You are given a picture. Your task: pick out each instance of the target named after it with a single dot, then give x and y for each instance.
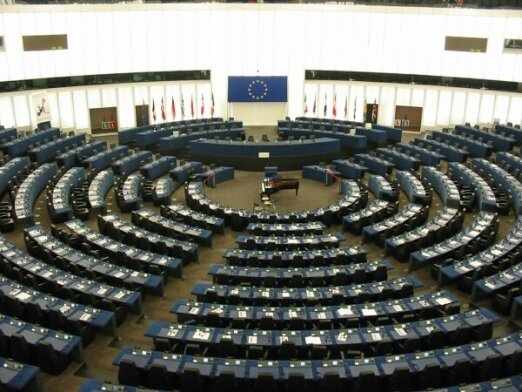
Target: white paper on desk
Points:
(490, 285)
(217, 311)
(344, 312)
(321, 315)
(200, 335)
(443, 301)
(283, 339)
(400, 331)
(376, 336)
(313, 340)
(119, 295)
(64, 309)
(252, 339)
(475, 264)
(194, 310)
(342, 337)
(23, 296)
(397, 308)
(292, 313)
(172, 332)
(241, 314)
(369, 312)
(285, 294)
(85, 317)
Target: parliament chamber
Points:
(352, 226)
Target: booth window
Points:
(513, 44)
(466, 44)
(45, 42)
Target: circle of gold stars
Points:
(257, 89)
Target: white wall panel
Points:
(139, 41)
(387, 106)
(141, 94)
(487, 104)
(122, 43)
(458, 107)
(429, 112)
(21, 111)
(444, 107)
(515, 110)
(66, 109)
(105, 42)
(54, 107)
(204, 49)
(109, 97)
(7, 116)
(403, 96)
(81, 110)
(156, 44)
(326, 51)
(265, 47)
(472, 108)
(75, 52)
(91, 61)
(265, 37)
(126, 109)
(14, 48)
(501, 110)
(94, 98)
(417, 97)
(187, 40)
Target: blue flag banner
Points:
(257, 89)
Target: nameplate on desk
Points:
(262, 154)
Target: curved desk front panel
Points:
(287, 155)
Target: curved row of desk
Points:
(296, 258)
(418, 370)
(246, 155)
(295, 319)
(306, 296)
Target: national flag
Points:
(182, 107)
(192, 106)
(163, 113)
(202, 105)
(374, 112)
(173, 109)
(345, 107)
(305, 110)
(153, 110)
(212, 108)
(325, 108)
(354, 107)
(334, 107)
(365, 108)
(315, 105)
(143, 113)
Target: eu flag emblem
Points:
(257, 89)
